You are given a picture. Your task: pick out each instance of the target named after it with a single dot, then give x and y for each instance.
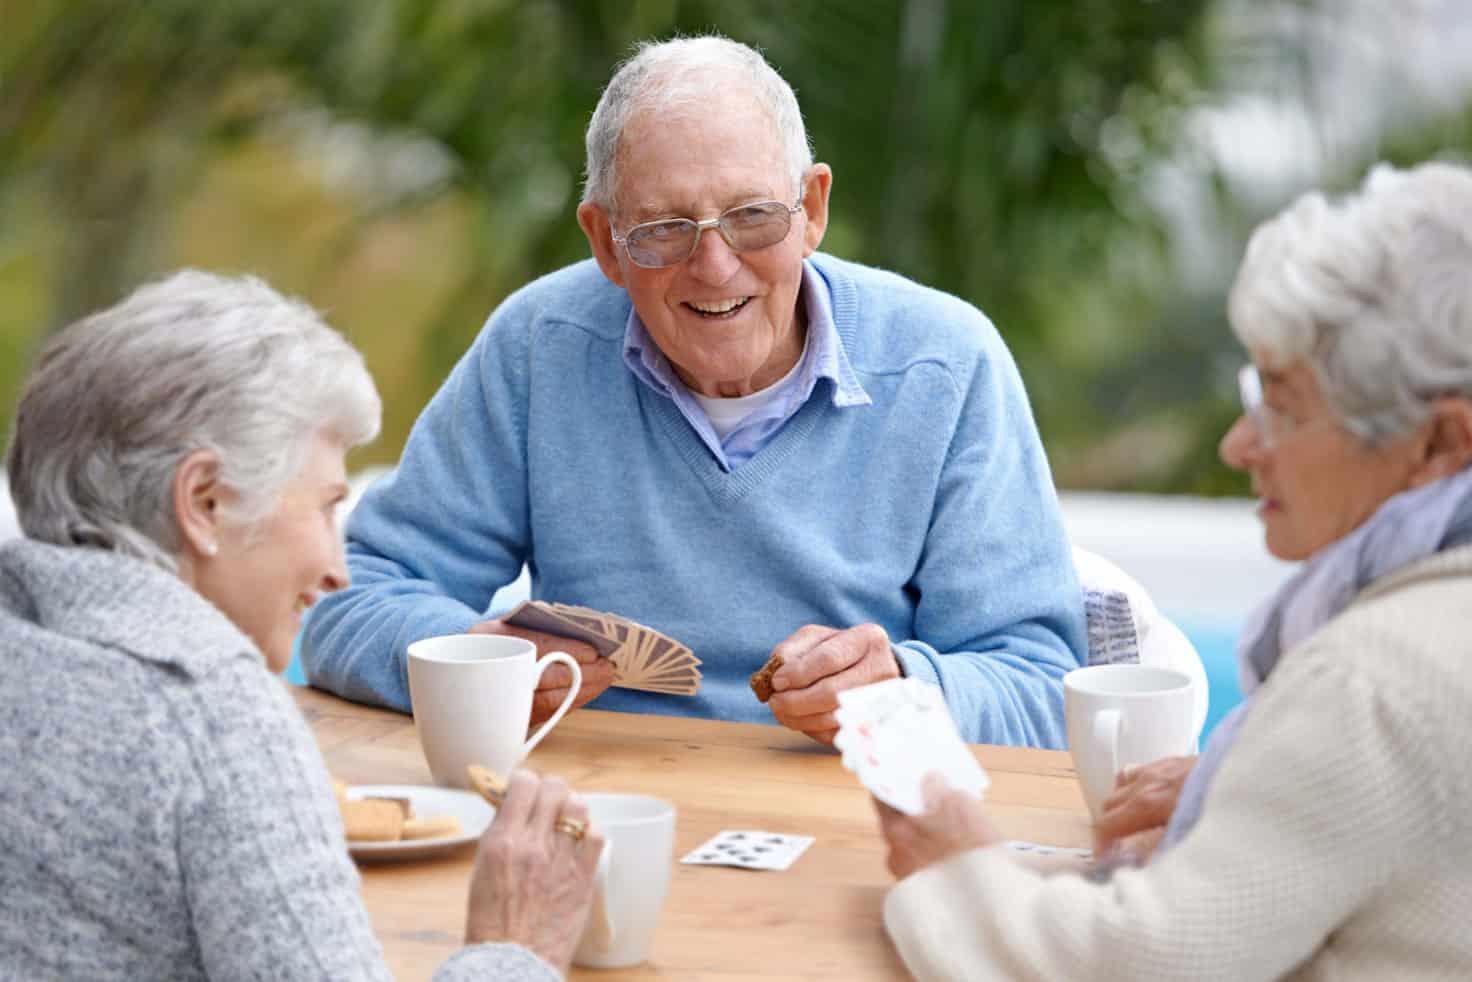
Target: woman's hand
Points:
(1133, 819)
(533, 880)
(954, 822)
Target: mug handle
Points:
(1106, 734)
(572, 693)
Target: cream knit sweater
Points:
(1335, 842)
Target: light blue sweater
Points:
(930, 512)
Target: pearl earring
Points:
(211, 548)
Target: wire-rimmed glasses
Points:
(1272, 425)
(671, 241)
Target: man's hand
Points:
(1132, 820)
(555, 681)
(820, 662)
(954, 822)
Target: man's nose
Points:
(713, 261)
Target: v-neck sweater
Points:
(930, 512)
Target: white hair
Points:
(193, 362)
(1374, 291)
(686, 74)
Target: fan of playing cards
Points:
(893, 733)
(642, 657)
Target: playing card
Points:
(593, 620)
(895, 732)
(749, 849)
(537, 616)
(653, 662)
(642, 657)
(1019, 845)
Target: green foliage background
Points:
(404, 164)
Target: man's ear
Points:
(1448, 442)
(816, 184)
(599, 230)
(196, 492)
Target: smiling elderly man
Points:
(718, 431)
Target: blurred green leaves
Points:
(405, 164)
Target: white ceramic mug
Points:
(472, 700)
(640, 851)
(1123, 715)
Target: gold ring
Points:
(573, 827)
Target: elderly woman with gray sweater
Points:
(176, 463)
(1324, 832)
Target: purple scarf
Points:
(1408, 527)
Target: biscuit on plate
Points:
(405, 805)
(433, 827)
(372, 820)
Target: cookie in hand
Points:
(761, 682)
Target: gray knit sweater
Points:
(164, 812)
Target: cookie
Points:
(405, 805)
(434, 827)
(371, 820)
(490, 785)
(761, 682)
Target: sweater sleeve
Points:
(271, 890)
(499, 962)
(999, 618)
(1311, 814)
(430, 545)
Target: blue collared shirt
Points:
(823, 357)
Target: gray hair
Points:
(193, 362)
(1374, 291)
(687, 73)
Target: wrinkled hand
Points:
(820, 662)
(553, 685)
(532, 884)
(954, 822)
(1132, 820)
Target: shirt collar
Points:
(828, 358)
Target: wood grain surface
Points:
(820, 919)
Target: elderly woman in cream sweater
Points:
(176, 463)
(1325, 831)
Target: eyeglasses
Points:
(671, 241)
(1272, 425)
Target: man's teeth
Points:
(718, 306)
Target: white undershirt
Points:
(726, 414)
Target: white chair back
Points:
(9, 527)
(1126, 626)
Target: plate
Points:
(472, 810)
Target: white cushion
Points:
(9, 527)
(1158, 641)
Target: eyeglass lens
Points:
(755, 226)
(1249, 389)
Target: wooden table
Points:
(820, 919)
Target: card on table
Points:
(642, 657)
(893, 733)
(749, 849)
(1038, 849)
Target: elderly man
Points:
(717, 431)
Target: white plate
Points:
(427, 802)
